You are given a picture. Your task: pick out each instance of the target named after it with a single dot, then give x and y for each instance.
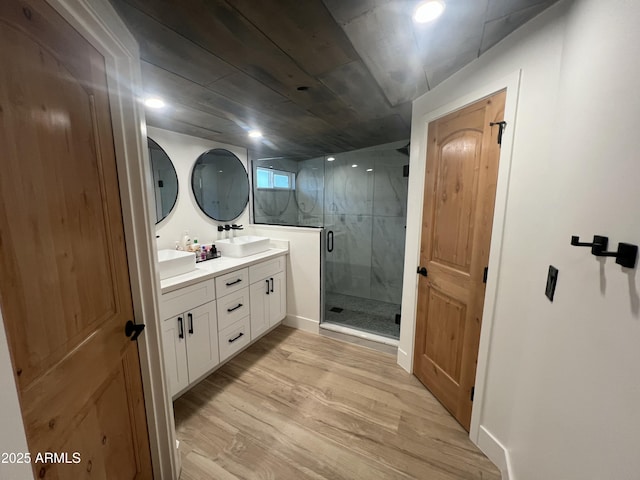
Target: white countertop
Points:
(217, 266)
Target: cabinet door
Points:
(260, 308)
(175, 353)
(201, 330)
(277, 298)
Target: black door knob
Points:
(422, 271)
(133, 330)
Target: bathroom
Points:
(117, 341)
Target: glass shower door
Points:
(364, 233)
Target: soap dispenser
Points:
(186, 241)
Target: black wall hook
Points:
(625, 255)
(599, 243)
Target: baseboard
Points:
(306, 324)
(404, 360)
(496, 452)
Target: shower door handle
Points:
(330, 241)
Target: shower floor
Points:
(365, 314)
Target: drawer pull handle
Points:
(231, 340)
(234, 308)
(267, 280)
(180, 328)
(228, 284)
(190, 323)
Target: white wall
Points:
(183, 150)
(562, 389)
(12, 436)
(303, 273)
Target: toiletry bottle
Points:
(186, 241)
(203, 253)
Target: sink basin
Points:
(242, 246)
(175, 262)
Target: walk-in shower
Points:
(359, 198)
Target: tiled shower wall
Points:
(366, 208)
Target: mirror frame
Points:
(246, 203)
(175, 173)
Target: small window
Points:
(281, 181)
(263, 178)
(268, 178)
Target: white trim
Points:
(98, 22)
(496, 452)
(12, 435)
(414, 222)
(306, 324)
(372, 337)
(404, 359)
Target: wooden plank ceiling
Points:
(315, 77)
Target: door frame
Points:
(414, 222)
(97, 21)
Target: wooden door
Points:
(64, 280)
(460, 186)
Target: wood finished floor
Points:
(302, 406)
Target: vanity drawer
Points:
(183, 299)
(267, 269)
(232, 282)
(234, 338)
(233, 307)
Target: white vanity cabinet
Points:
(189, 333)
(234, 314)
(268, 292)
(207, 322)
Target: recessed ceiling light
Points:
(354, 165)
(428, 11)
(369, 169)
(255, 133)
(331, 159)
(154, 102)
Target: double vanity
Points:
(213, 309)
(217, 308)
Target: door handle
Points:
(190, 323)
(234, 308)
(133, 330)
(330, 241)
(267, 280)
(271, 284)
(180, 328)
(422, 271)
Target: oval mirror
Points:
(220, 184)
(165, 180)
